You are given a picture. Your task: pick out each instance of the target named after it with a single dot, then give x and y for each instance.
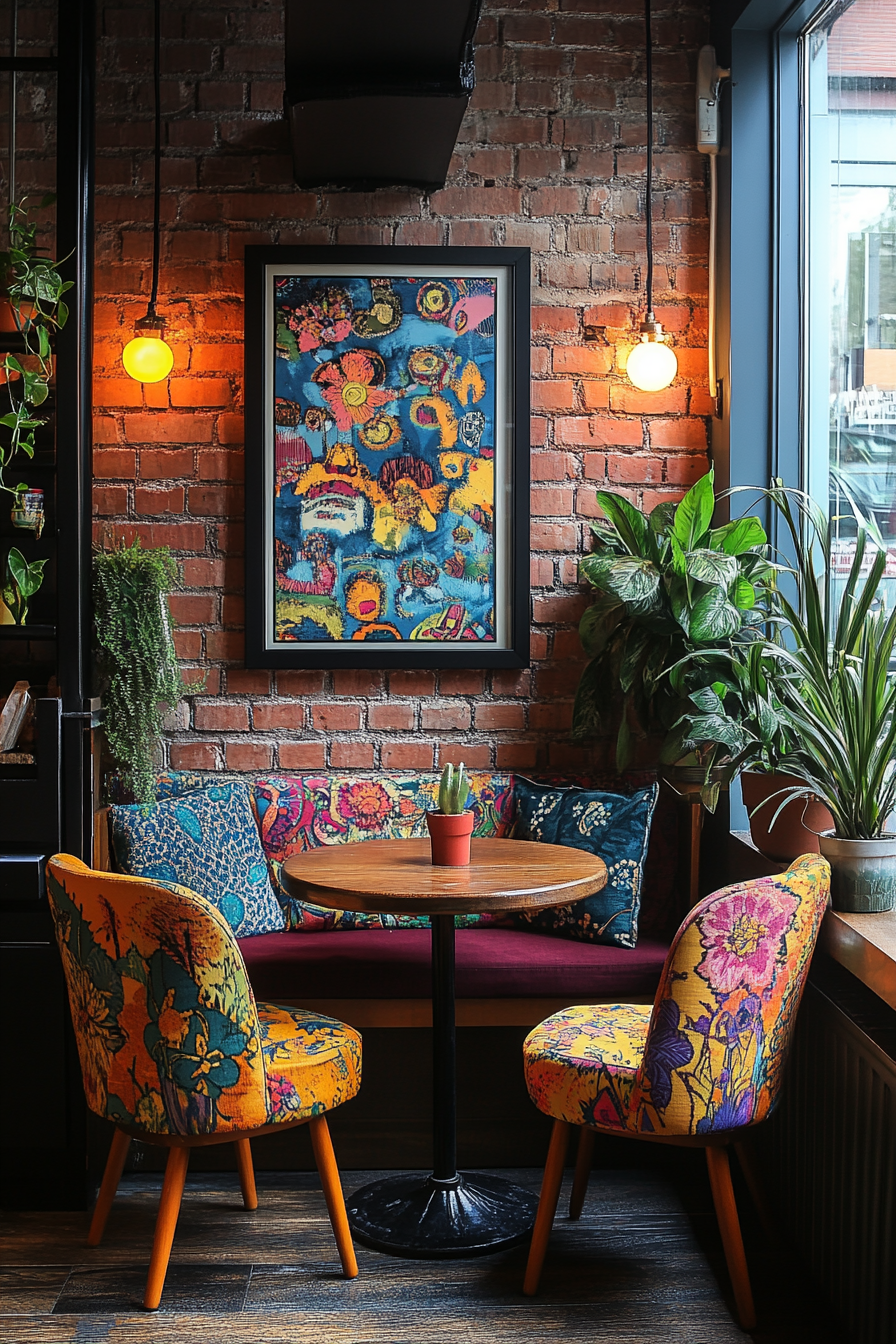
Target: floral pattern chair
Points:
(175, 1050)
(700, 1066)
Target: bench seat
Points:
(492, 964)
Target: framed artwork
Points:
(387, 453)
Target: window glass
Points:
(849, 63)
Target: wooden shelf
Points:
(27, 632)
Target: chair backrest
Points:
(724, 1012)
(164, 1015)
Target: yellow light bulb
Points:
(651, 366)
(147, 359)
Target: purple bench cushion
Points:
(491, 963)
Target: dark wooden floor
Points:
(643, 1265)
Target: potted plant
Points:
(669, 585)
(451, 828)
(837, 693)
(137, 658)
(22, 580)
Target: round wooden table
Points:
(446, 1213)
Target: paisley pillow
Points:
(617, 827)
(206, 840)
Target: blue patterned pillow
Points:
(617, 827)
(206, 840)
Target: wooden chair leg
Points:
(547, 1205)
(247, 1173)
(118, 1153)
(329, 1179)
(729, 1226)
(166, 1222)
(757, 1194)
(584, 1158)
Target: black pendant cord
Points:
(157, 187)
(648, 44)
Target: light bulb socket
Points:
(651, 330)
(150, 325)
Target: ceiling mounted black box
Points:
(375, 93)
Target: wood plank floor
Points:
(643, 1265)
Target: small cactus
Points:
(454, 789)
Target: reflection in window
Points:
(850, 395)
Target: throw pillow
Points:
(299, 812)
(617, 827)
(206, 840)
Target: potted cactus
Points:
(450, 828)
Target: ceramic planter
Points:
(450, 835)
(863, 873)
(798, 825)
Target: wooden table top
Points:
(398, 877)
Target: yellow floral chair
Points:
(175, 1050)
(700, 1066)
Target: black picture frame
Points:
(509, 644)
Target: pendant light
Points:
(651, 365)
(147, 358)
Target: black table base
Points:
(423, 1218)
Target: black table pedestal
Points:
(447, 1213)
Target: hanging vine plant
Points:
(137, 657)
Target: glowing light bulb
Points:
(652, 365)
(147, 359)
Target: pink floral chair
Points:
(700, 1066)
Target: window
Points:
(849, 384)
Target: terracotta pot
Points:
(450, 835)
(798, 825)
(863, 873)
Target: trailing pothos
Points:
(34, 289)
(668, 585)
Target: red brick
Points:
(548, 502)
(541, 572)
(302, 755)
(412, 683)
(511, 682)
(406, 756)
(193, 608)
(637, 469)
(551, 201)
(589, 360)
(624, 397)
(168, 428)
(179, 536)
(687, 434)
(165, 463)
(555, 717)
(225, 645)
(230, 717)
(230, 429)
(215, 500)
(357, 683)
(159, 501)
(516, 756)
(391, 717)
(602, 431)
(202, 680)
(596, 396)
(187, 643)
(117, 392)
(217, 465)
(559, 609)
(685, 470)
(553, 395)
(336, 718)
(552, 321)
(444, 716)
(559, 681)
(112, 462)
(243, 681)
(267, 717)
(553, 536)
(461, 683)
(300, 683)
(535, 163)
(110, 499)
(247, 756)
(473, 201)
(474, 758)
(504, 130)
(552, 466)
(351, 756)
(500, 717)
(200, 391)
(195, 756)
(615, 315)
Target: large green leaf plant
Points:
(669, 586)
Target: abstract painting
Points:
(389, 481)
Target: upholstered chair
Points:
(175, 1050)
(700, 1067)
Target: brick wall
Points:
(550, 156)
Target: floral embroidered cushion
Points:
(617, 827)
(299, 812)
(169, 1035)
(710, 1055)
(206, 840)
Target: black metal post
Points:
(444, 1052)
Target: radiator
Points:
(832, 1152)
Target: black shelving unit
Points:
(48, 806)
